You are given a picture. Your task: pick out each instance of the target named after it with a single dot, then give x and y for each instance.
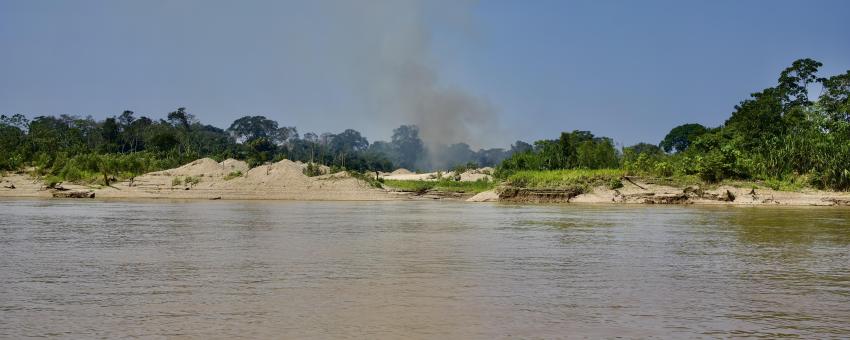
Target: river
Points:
(419, 269)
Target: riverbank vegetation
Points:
(566, 179)
(779, 137)
(444, 185)
(82, 149)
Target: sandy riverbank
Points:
(285, 180)
(208, 179)
(470, 175)
(635, 191)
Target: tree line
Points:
(125, 145)
(779, 135)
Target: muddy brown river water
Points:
(219, 269)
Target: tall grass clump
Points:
(564, 179)
(233, 175)
(445, 185)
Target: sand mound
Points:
(401, 171)
(282, 180)
(476, 175)
(323, 169)
(204, 167)
(232, 165)
(431, 176)
(338, 175)
(486, 196)
(284, 170)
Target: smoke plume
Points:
(400, 79)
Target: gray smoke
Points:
(399, 78)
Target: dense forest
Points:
(74, 148)
(778, 135)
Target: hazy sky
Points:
(487, 72)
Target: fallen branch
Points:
(632, 182)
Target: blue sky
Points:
(630, 70)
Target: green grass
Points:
(233, 175)
(680, 181)
(565, 179)
(790, 183)
(192, 181)
(584, 180)
(421, 186)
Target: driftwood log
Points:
(73, 194)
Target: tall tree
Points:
(249, 128)
(408, 145)
(181, 118)
(681, 137)
(794, 82)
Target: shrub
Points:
(233, 175)
(191, 181)
(615, 183)
(556, 179)
(422, 186)
(312, 169)
(368, 178)
(459, 169)
(52, 181)
(664, 169)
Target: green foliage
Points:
(249, 128)
(368, 178)
(188, 180)
(778, 134)
(564, 179)
(407, 146)
(459, 169)
(233, 175)
(573, 150)
(681, 137)
(52, 181)
(82, 149)
(445, 185)
(312, 169)
(191, 180)
(615, 183)
(793, 183)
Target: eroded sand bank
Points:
(639, 192)
(207, 179)
(285, 180)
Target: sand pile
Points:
(476, 175)
(323, 169)
(401, 171)
(233, 165)
(486, 196)
(468, 176)
(284, 173)
(283, 180)
(431, 176)
(204, 167)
